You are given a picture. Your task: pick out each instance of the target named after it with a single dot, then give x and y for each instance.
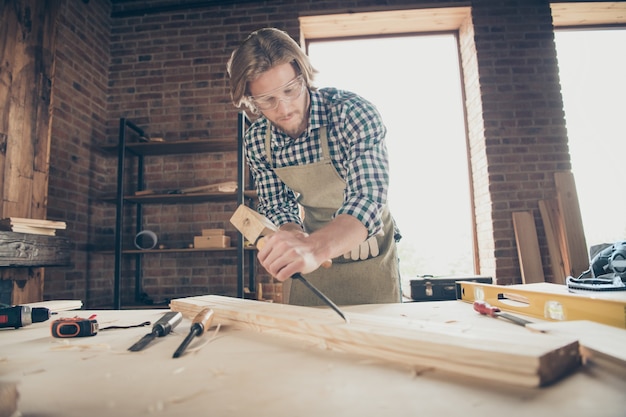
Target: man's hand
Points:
(290, 250)
(285, 253)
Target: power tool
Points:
(607, 270)
(20, 316)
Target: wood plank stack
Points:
(526, 359)
(32, 226)
(564, 233)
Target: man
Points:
(319, 161)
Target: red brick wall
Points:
(77, 174)
(520, 140)
(167, 74)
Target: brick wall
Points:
(78, 123)
(520, 140)
(167, 74)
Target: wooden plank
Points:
(551, 224)
(599, 343)
(19, 221)
(572, 224)
(588, 13)
(527, 359)
(23, 249)
(528, 247)
(383, 22)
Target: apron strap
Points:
(268, 144)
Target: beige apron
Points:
(321, 192)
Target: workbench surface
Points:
(244, 373)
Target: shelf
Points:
(185, 198)
(133, 251)
(126, 149)
(176, 250)
(177, 147)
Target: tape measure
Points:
(74, 327)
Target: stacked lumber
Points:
(564, 233)
(525, 359)
(221, 187)
(32, 226)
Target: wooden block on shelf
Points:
(211, 241)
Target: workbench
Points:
(245, 373)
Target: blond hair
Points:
(258, 53)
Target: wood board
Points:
(528, 247)
(599, 342)
(527, 359)
(573, 238)
(549, 210)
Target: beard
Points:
(294, 121)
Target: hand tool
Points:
(201, 322)
(487, 309)
(19, 316)
(161, 328)
(547, 301)
(74, 327)
(254, 227)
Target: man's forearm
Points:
(339, 236)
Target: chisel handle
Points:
(200, 323)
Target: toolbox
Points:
(432, 288)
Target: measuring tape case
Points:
(431, 288)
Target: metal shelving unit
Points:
(140, 150)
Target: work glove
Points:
(367, 249)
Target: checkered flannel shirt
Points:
(356, 138)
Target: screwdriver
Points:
(487, 309)
(199, 325)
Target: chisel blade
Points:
(181, 349)
(143, 342)
(161, 328)
(320, 295)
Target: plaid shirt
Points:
(356, 138)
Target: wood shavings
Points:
(66, 345)
(35, 371)
(206, 342)
(180, 400)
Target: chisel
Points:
(161, 328)
(201, 322)
(320, 295)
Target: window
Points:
(592, 67)
(415, 83)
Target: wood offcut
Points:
(525, 359)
